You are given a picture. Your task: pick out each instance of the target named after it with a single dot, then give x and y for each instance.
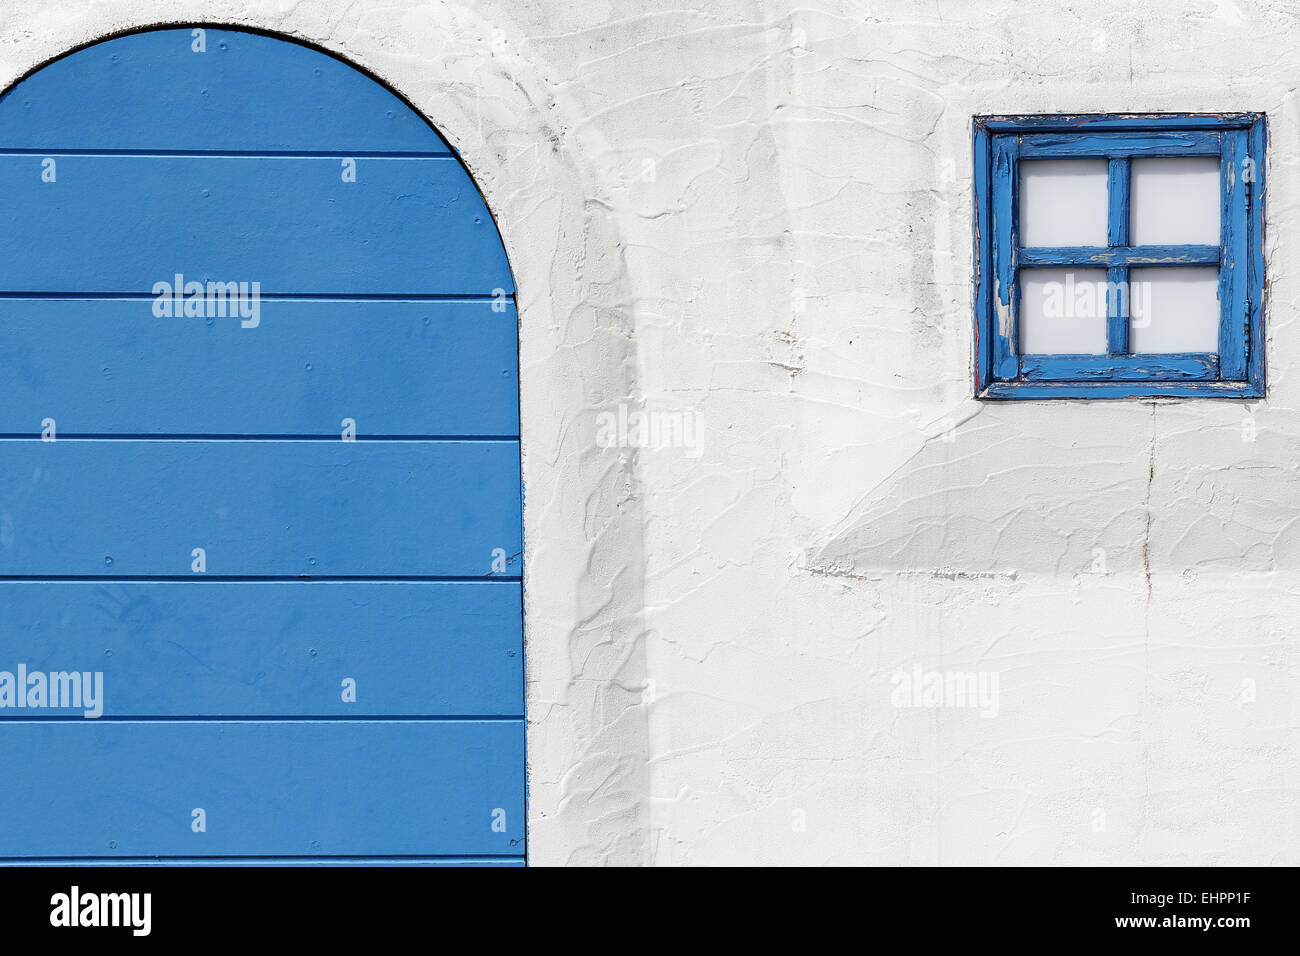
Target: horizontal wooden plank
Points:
(1189, 366)
(330, 861)
(126, 223)
(1031, 391)
(245, 91)
(1061, 122)
(314, 508)
(101, 366)
(1119, 145)
(194, 648)
(1099, 256)
(267, 788)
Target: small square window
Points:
(1119, 256)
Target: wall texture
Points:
(750, 222)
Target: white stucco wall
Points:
(758, 213)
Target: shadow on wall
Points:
(1070, 488)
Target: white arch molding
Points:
(584, 582)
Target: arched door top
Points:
(208, 88)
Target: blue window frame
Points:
(1003, 144)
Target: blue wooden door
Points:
(260, 520)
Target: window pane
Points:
(1175, 201)
(1174, 309)
(1063, 202)
(1063, 311)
